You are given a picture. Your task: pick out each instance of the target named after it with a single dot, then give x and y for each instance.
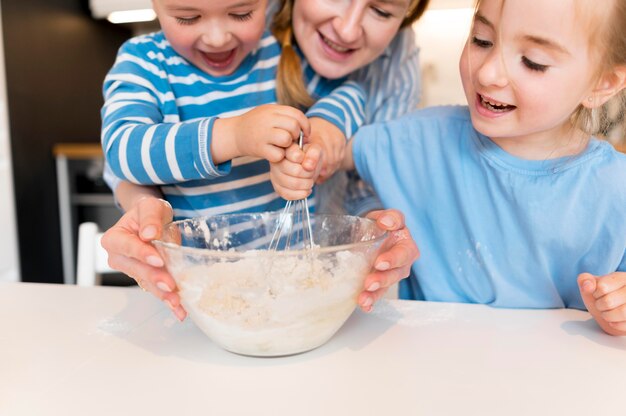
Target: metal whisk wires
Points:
(294, 224)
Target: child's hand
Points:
(333, 144)
(264, 132)
(289, 177)
(605, 299)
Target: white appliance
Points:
(9, 266)
(100, 9)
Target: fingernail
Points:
(586, 284)
(154, 261)
(373, 287)
(180, 314)
(383, 265)
(367, 302)
(162, 286)
(387, 222)
(149, 232)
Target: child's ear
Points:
(609, 85)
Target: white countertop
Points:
(66, 350)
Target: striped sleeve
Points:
(344, 107)
(141, 142)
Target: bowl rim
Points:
(240, 254)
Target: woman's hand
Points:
(605, 299)
(394, 262)
(333, 144)
(130, 250)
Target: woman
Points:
(360, 38)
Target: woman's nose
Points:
(349, 25)
(492, 70)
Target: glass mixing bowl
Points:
(255, 301)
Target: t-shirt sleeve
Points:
(367, 146)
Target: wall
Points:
(56, 58)
(9, 267)
(441, 35)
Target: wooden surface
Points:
(78, 150)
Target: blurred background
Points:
(54, 55)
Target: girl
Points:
(513, 197)
(377, 22)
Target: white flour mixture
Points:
(268, 306)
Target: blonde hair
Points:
(290, 88)
(609, 39)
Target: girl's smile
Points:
(525, 68)
(488, 107)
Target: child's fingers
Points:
(293, 169)
(302, 121)
(612, 301)
(294, 154)
(281, 136)
(587, 284)
(615, 315)
(609, 283)
(291, 194)
(312, 157)
(619, 326)
(293, 121)
(273, 154)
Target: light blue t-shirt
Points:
(493, 228)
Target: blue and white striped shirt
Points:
(158, 116)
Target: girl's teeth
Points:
(493, 106)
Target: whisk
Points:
(294, 224)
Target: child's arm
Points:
(334, 119)
(145, 142)
(605, 299)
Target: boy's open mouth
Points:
(494, 106)
(219, 59)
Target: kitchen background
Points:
(54, 55)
